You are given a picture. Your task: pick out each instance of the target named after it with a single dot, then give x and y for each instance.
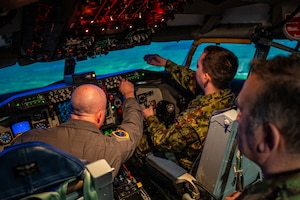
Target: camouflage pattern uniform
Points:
(186, 136)
(284, 186)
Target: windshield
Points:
(21, 78)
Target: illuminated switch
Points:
(120, 111)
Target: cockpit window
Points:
(276, 51)
(21, 78)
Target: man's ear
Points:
(99, 116)
(102, 113)
(207, 79)
(207, 76)
(271, 138)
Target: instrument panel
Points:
(48, 107)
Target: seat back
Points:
(34, 167)
(222, 169)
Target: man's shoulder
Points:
(282, 186)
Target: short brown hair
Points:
(221, 64)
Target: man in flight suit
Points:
(81, 136)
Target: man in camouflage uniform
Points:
(216, 68)
(269, 128)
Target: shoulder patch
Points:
(121, 134)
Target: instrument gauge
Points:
(5, 138)
(118, 102)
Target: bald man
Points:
(81, 135)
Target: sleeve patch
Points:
(120, 134)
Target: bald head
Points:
(87, 100)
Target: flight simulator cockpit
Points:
(69, 32)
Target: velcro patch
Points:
(121, 134)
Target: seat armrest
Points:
(167, 167)
(174, 172)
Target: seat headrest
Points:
(32, 167)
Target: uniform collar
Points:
(81, 124)
(215, 96)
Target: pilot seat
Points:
(36, 170)
(219, 170)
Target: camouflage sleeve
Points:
(183, 75)
(188, 130)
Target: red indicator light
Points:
(120, 111)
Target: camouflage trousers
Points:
(145, 147)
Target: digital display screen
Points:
(20, 127)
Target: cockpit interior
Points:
(49, 47)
